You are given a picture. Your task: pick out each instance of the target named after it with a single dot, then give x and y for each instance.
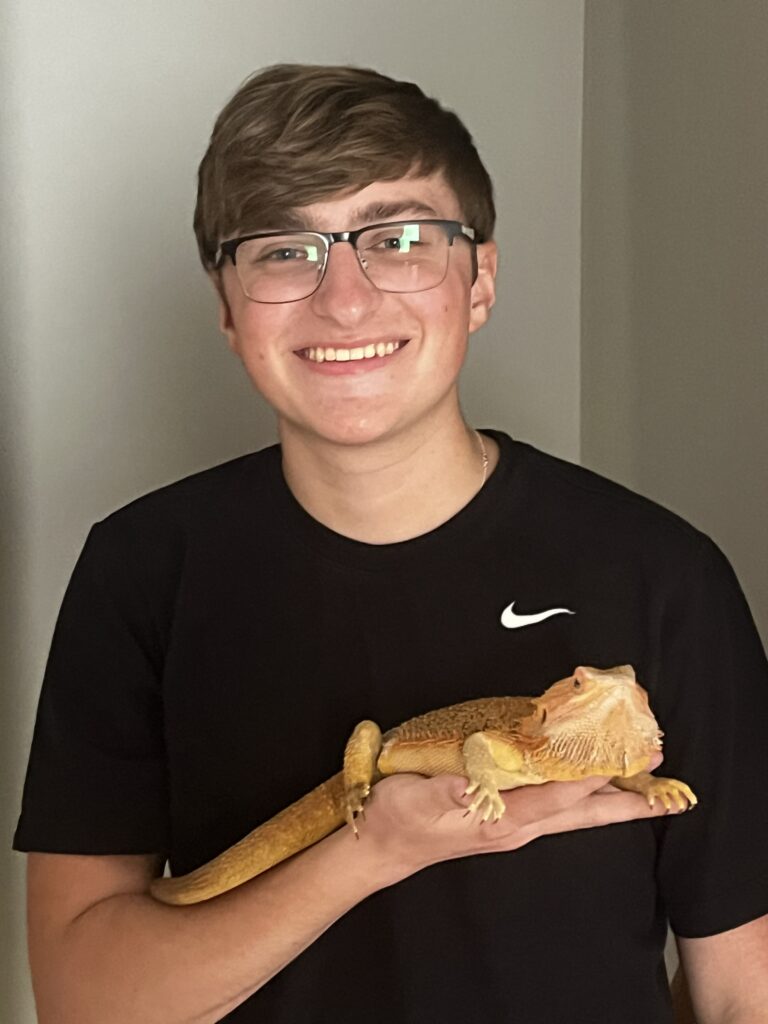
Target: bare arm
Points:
(728, 974)
(102, 949)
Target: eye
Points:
(393, 238)
(576, 684)
(543, 715)
(392, 243)
(284, 255)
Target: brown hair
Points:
(294, 134)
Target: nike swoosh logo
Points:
(512, 620)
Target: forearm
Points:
(131, 960)
(127, 959)
(746, 1009)
(728, 974)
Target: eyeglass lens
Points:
(396, 258)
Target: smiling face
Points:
(420, 338)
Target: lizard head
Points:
(597, 721)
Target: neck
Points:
(389, 490)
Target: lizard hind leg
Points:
(360, 756)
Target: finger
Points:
(609, 788)
(441, 793)
(450, 791)
(603, 809)
(533, 803)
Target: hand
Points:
(416, 821)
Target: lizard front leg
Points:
(360, 756)
(653, 788)
(490, 762)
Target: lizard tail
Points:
(305, 822)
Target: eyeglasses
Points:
(404, 256)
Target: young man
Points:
(221, 637)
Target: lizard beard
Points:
(598, 752)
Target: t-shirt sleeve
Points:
(96, 778)
(712, 868)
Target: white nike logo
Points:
(512, 620)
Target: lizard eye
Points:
(576, 684)
(543, 715)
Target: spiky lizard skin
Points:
(595, 722)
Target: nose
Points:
(345, 293)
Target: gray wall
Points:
(675, 264)
(114, 378)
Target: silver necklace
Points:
(484, 455)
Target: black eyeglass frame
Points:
(453, 229)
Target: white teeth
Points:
(341, 355)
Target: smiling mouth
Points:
(329, 354)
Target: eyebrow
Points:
(374, 211)
(371, 213)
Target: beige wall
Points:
(675, 264)
(115, 379)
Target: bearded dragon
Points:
(594, 722)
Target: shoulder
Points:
(582, 511)
(565, 480)
(584, 492)
(156, 528)
(199, 494)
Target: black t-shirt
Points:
(211, 629)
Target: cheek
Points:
(258, 331)
(252, 352)
(442, 312)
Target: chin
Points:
(354, 433)
(352, 430)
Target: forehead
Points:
(382, 200)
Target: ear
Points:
(483, 294)
(226, 324)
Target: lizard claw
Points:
(355, 804)
(487, 801)
(667, 791)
